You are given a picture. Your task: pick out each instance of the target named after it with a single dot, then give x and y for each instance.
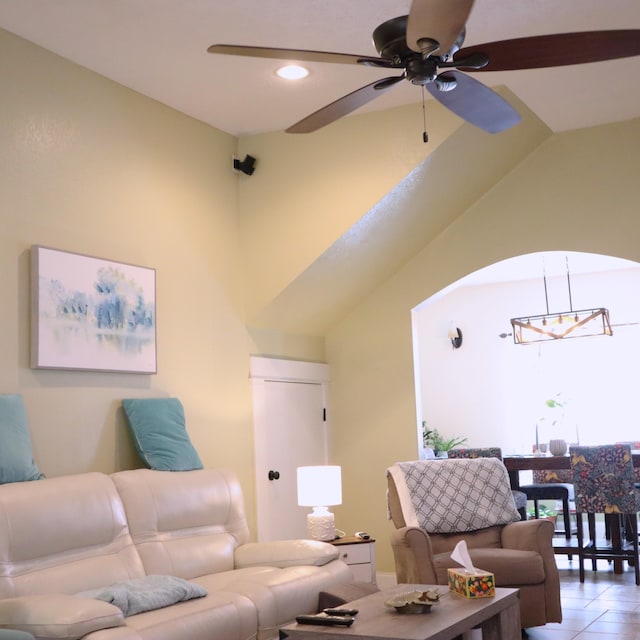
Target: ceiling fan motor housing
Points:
(390, 39)
(421, 71)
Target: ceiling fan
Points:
(426, 46)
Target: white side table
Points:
(360, 556)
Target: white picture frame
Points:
(91, 314)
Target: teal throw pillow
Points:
(160, 434)
(16, 457)
(147, 593)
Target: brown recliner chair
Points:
(519, 554)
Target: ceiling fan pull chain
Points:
(425, 135)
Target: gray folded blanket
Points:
(145, 594)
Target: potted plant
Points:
(545, 512)
(552, 423)
(432, 439)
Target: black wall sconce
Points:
(455, 335)
(247, 166)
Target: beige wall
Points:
(91, 167)
(309, 190)
(578, 191)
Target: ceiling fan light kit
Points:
(292, 72)
(426, 45)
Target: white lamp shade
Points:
(319, 486)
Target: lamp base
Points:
(321, 524)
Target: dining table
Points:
(531, 462)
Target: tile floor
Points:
(605, 607)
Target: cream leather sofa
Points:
(66, 535)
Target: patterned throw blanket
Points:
(445, 496)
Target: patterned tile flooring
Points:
(605, 607)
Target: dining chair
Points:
(636, 470)
(551, 484)
(491, 452)
(603, 480)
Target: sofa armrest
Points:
(285, 553)
(537, 535)
(60, 616)
(413, 556)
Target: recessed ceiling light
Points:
(292, 72)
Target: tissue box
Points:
(472, 585)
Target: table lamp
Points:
(320, 487)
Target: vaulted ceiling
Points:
(159, 49)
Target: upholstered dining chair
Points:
(519, 497)
(636, 470)
(604, 483)
(549, 484)
(434, 504)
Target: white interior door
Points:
(289, 401)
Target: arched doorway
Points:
(495, 392)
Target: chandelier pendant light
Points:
(557, 326)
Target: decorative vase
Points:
(557, 447)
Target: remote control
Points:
(325, 620)
(340, 612)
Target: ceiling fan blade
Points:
(475, 102)
(439, 20)
(556, 50)
(344, 105)
(299, 55)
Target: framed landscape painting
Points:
(93, 314)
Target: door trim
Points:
(263, 371)
(261, 368)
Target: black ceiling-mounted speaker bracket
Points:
(246, 166)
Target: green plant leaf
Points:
(432, 439)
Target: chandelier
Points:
(557, 326)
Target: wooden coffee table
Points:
(498, 617)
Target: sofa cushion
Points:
(160, 434)
(278, 594)
(219, 616)
(511, 567)
(184, 524)
(146, 593)
(58, 616)
(64, 535)
(491, 537)
(285, 553)
(16, 457)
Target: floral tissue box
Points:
(479, 584)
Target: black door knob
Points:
(274, 475)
